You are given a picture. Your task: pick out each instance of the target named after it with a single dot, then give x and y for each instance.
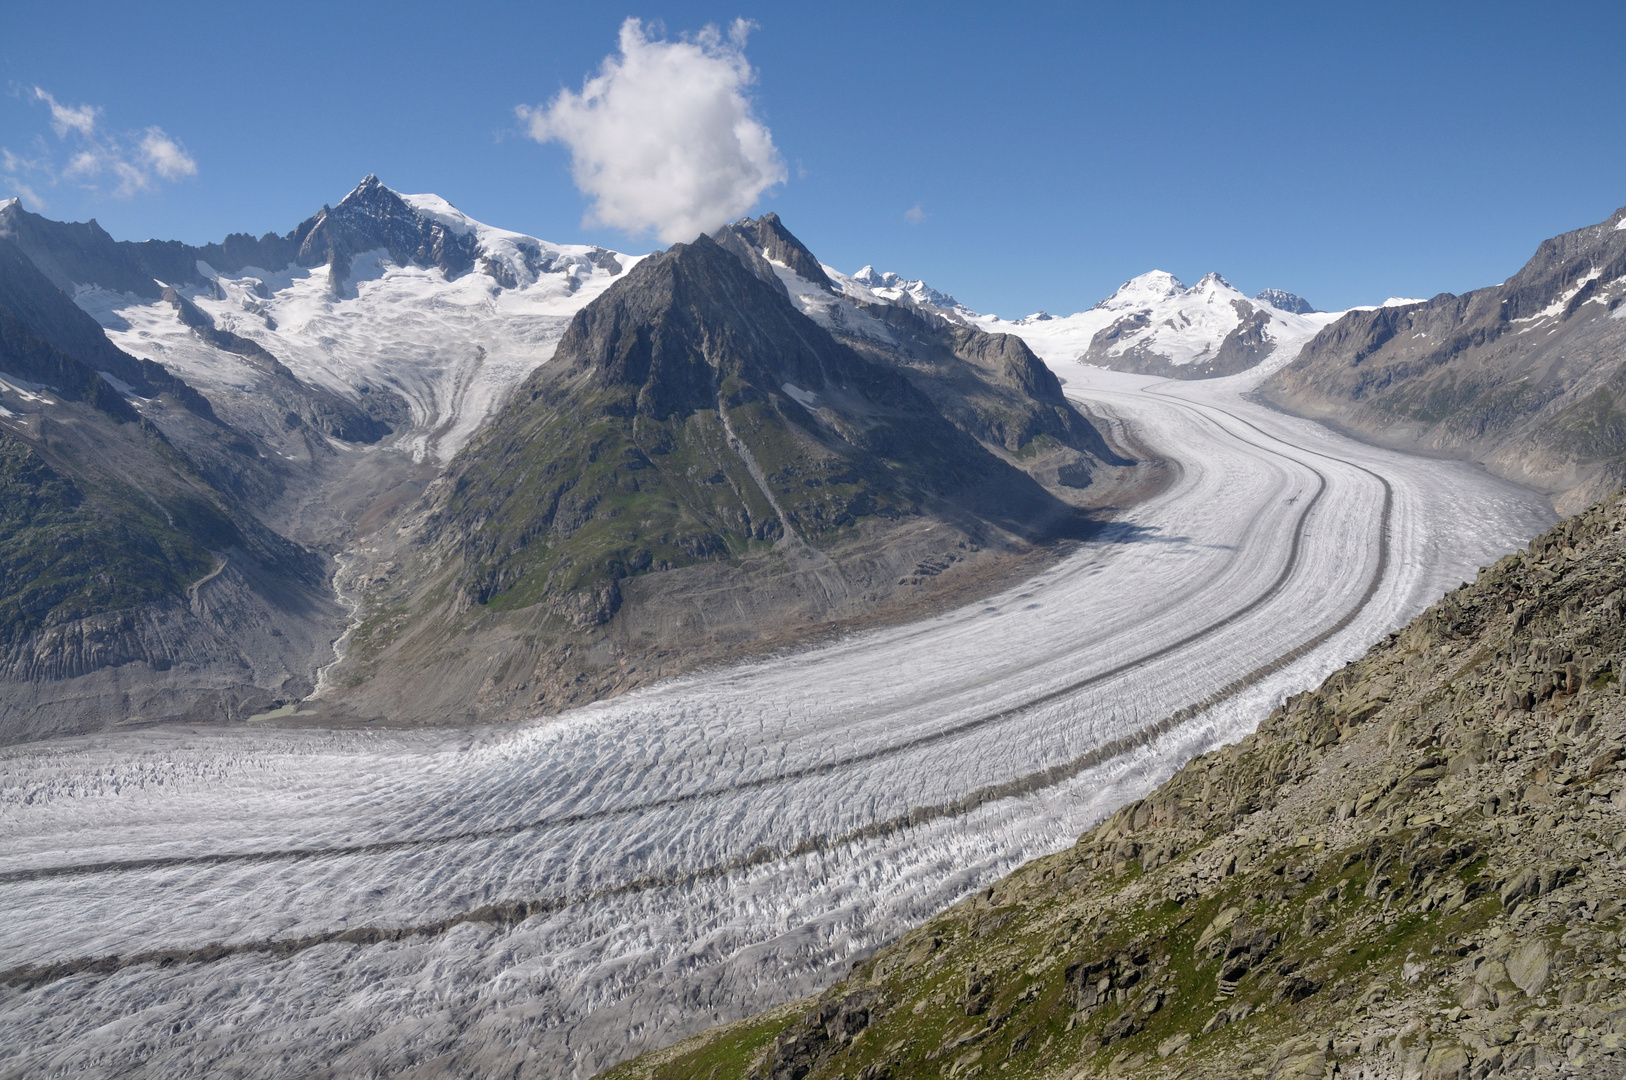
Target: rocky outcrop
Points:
(1416, 870)
(1282, 300)
(1527, 377)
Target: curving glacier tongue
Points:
(546, 899)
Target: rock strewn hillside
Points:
(1528, 377)
(1417, 870)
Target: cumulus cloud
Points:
(126, 162)
(664, 138)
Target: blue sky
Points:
(1344, 152)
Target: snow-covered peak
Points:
(1282, 300)
(1148, 288)
(398, 293)
(1154, 322)
(891, 287)
(7, 204)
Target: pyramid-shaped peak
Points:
(768, 237)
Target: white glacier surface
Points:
(551, 897)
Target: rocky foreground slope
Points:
(1416, 870)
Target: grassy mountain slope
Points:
(135, 584)
(1528, 377)
(66, 553)
(701, 468)
(1417, 870)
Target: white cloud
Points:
(664, 138)
(165, 154)
(66, 118)
(132, 161)
(915, 215)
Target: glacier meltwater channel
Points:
(558, 895)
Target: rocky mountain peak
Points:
(684, 320)
(373, 216)
(1282, 300)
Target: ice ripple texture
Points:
(550, 898)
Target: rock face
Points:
(697, 433)
(135, 584)
(78, 253)
(1282, 300)
(371, 217)
(1528, 377)
(1416, 870)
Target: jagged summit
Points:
(765, 239)
(1282, 300)
(892, 286)
(427, 231)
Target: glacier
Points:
(551, 897)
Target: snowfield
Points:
(559, 895)
(453, 348)
(1154, 313)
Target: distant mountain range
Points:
(221, 459)
(194, 434)
(1152, 324)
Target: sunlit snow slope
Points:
(452, 347)
(1150, 321)
(556, 896)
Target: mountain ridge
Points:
(1526, 377)
(699, 429)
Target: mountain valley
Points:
(523, 656)
(377, 393)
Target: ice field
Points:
(559, 895)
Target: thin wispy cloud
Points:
(92, 157)
(664, 138)
(915, 215)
